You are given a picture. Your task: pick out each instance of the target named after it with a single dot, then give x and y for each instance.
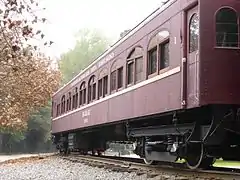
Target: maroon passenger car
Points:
(171, 85)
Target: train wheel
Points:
(195, 153)
(196, 157)
(148, 162)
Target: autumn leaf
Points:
(27, 80)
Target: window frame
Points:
(70, 101)
(82, 94)
(103, 73)
(75, 99)
(114, 89)
(132, 57)
(160, 56)
(57, 110)
(135, 70)
(67, 105)
(100, 89)
(105, 86)
(91, 89)
(148, 60)
(215, 29)
(189, 33)
(122, 82)
(63, 106)
(154, 42)
(130, 61)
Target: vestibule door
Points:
(192, 57)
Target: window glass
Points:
(135, 66)
(67, 104)
(63, 104)
(226, 28)
(164, 59)
(100, 93)
(73, 102)
(91, 89)
(70, 101)
(76, 99)
(152, 61)
(105, 86)
(58, 109)
(193, 33)
(82, 94)
(130, 72)
(139, 69)
(94, 91)
(120, 77)
(113, 80)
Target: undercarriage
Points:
(199, 142)
(197, 136)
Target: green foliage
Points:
(40, 124)
(89, 45)
(35, 138)
(14, 135)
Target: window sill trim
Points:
(227, 48)
(120, 88)
(131, 84)
(164, 70)
(152, 75)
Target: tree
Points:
(26, 79)
(35, 138)
(39, 128)
(27, 83)
(89, 45)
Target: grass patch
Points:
(221, 163)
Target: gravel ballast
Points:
(53, 168)
(58, 168)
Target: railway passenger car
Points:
(171, 85)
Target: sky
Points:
(66, 17)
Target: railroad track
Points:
(167, 171)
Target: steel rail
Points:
(137, 165)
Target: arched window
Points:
(135, 66)
(69, 101)
(113, 81)
(63, 104)
(158, 52)
(82, 94)
(193, 33)
(226, 28)
(58, 110)
(92, 89)
(103, 83)
(75, 99)
(116, 79)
